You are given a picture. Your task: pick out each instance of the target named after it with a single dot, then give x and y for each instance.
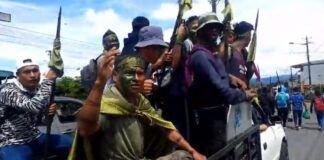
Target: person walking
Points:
(282, 99)
(318, 104)
(297, 101)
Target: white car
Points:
(274, 145)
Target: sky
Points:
(33, 25)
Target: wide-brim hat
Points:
(208, 18)
(150, 35)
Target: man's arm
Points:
(89, 113)
(202, 67)
(175, 137)
(11, 97)
(177, 49)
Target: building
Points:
(317, 72)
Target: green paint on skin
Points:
(127, 71)
(130, 62)
(126, 79)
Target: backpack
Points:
(319, 103)
(281, 99)
(89, 73)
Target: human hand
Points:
(168, 57)
(52, 109)
(238, 83)
(148, 86)
(106, 64)
(263, 127)
(251, 93)
(198, 156)
(51, 75)
(181, 33)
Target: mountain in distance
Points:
(274, 79)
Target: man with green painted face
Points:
(126, 126)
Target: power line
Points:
(80, 54)
(48, 35)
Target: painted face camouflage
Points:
(131, 71)
(129, 62)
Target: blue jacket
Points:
(297, 100)
(210, 85)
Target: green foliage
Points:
(67, 86)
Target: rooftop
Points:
(317, 62)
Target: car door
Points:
(64, 121)
(268, 140)
(272, 139)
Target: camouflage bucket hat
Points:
(208, 18)
(109, 40)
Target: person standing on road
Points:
(297, 101)
(318, 104)
(282, 99)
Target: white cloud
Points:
(280, 22)
(102, 20)
(84, 35)
(167, 11)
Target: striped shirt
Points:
(20, 110)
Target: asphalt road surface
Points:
(306, 143)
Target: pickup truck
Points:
(243, 140)
(248, 142)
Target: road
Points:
(306, 143)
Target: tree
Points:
(67, 86)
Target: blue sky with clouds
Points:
(33, 26)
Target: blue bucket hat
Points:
(150, 35)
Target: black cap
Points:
(242, 27)
(139, 22)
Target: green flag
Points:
(227, 12)
(184, 5)
(187, 4)
(56, 61)
(253, 44)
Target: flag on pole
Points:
(187, 4)
(227, 12)
(253, 44)
(56, 61)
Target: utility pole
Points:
(308, 61)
